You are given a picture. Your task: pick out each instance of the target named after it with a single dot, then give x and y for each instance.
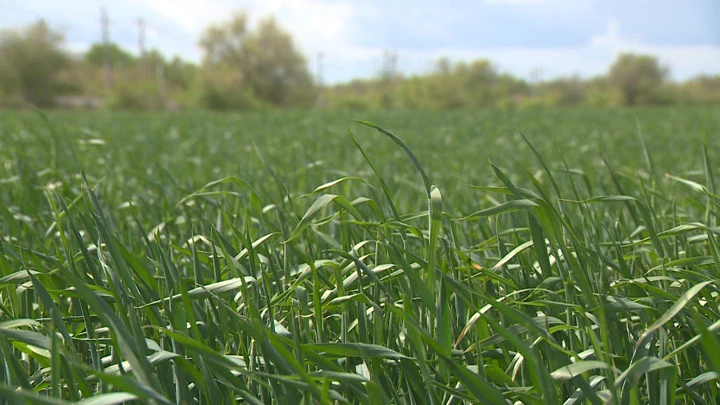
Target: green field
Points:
(534, 256)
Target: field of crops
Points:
(492, 257)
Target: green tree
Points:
(31, 64)
(118, 57)
(598, 92)
(223, 44)
(703, 89)
(443, 87)
(480, 79)
(220, 87)
(564, 91)
(263, 62)
(637, 78)
(180, 73)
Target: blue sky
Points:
(550, 37)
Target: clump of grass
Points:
(370, 275)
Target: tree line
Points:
(245, 68)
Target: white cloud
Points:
(532, 2)
(547, 7)
(317, 25)
(76, 48)
(191, 15)
(339, 27)
(612, 38)
(684, 60)
(591, 59)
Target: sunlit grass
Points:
(549, 256)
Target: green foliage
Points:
(703, 89)
(449, 86)
(637, 78)
(263, 63)
(359, 94)
(564, 92)
(246, 68)
(117, 57)
(180, 73)
(214, 258)
(632, 80)
(31, 61)
(148, 82)
(223, 88)
(140, 95)
(277, 72)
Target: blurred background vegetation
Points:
(262, 68)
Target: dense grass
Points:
(540, 256)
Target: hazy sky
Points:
(554, 37)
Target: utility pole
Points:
(388, 74)
(141, 44)
(107, 67)
(535, 79)
(390, 64)
(148, 66)
(319, 78)
(160, 77)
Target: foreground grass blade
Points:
(311, 273)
